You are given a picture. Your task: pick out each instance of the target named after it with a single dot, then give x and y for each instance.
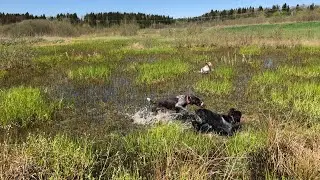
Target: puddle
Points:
(268, 64)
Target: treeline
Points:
(285, 9)
(14, 18)
(94, 19)
(109, 19)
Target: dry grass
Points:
(294, 151)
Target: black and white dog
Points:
(177, 103)
(222, 124)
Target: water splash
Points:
(146, 117)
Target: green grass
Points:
(23, 106)
(304, 97)
(243, 143)
(286, 26)
(161, 71)
(266, 78)
(305, 72)
(166, 139)
(309, 50)
(90, 73)
(288, 30)
(169, 148)
(250, 50)
(287, 88)
(218, 83)
(211, 86)
(223, 72)
(274, 99)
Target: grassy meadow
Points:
(63, 103)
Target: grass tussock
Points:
(161, 71)
(90, 73)
(23, 106)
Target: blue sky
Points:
(173, 8)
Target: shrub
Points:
(24, 105)
(40, 28)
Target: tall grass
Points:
(167, 151)
(15, 56)
(41, 157)
(170, 151)
(294, 152)
(23, 106)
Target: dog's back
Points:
(222, 124)
(211, 119)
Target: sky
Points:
(172, 8)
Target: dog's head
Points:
(236, 115)
(209, 64)
(194, 100)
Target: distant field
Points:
(63, 103)
(284, 26)
(302, 30)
